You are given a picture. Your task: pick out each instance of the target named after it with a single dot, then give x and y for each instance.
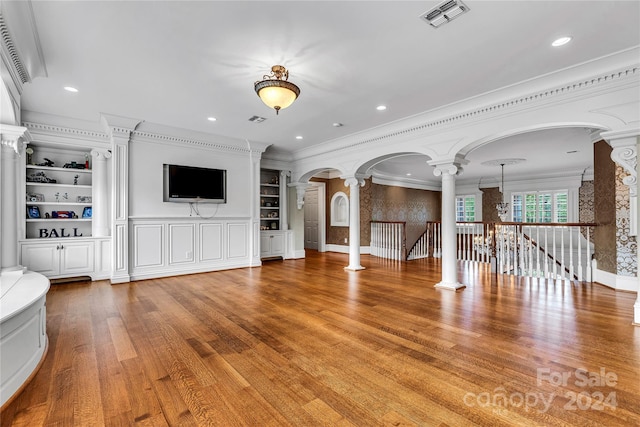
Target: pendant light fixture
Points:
(275, 90)
(502, 207)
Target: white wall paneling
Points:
(237, 241)
(171, 246)
(148, 245)
(181, 243)
(210, 242)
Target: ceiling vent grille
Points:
(257, 119)
(444, 12)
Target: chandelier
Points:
(502, 207)
(275, 90)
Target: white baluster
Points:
(579, 255)
(555, 258)
(571, 269)
(589, 265)
(546, 253)
(562, 266)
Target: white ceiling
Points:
(177, 62)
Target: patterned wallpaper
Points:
(604, 207)
(336, 235)
(385, 203)
(490, 198)
(585, 202)
(413, 206)
(626, 255)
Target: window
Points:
(465, 208)
(540, 206)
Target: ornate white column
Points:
(13, 139)
(625, 154)
(119, 129)
(354, 183)
(254, 239)
(99, 201)
(448, 172)
(636, 306)
(625, 146)
(284, 202)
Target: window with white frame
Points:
(540, 206)
(465, 208)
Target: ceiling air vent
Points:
(257, 119)
(444, 12)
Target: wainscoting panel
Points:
(148, 245)
(181, 243)
(210, 242)
(238, 242)
(171, 246)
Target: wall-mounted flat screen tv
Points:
(190, 184)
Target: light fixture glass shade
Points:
(503, 210)
(275, 91)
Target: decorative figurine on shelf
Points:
(57, 195)
(75, 179)
(73, 165)
(47, 163)
(65, 196)
(29, 152)
(40, 177)
(47, 215)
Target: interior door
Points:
(311, 218)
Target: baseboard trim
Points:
(344, 249)
(615, 281)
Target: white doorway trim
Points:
(322, 214)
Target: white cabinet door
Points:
(42, 258)
(277, 244)
(265, 245)
(59, 258)
(272, 244)
(76, 258)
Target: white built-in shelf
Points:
(53, 168)
(55, 184)
(58, 203)
(57, 219)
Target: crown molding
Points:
(394, 181)
(145, 136)
(18, 72)
(420, 123)
(65, 136)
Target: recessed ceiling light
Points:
(337, 125)
(561, 41)
(211, 119)
(409, 174)
(299, 137)
(381, 107)
(70, 89)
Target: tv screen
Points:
(193, 184)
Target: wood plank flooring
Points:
(305, 343)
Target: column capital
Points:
(354, 180)
(100, 154)
(12, 136)
(448, 166)
(446, 169)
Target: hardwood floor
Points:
(305, 343)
